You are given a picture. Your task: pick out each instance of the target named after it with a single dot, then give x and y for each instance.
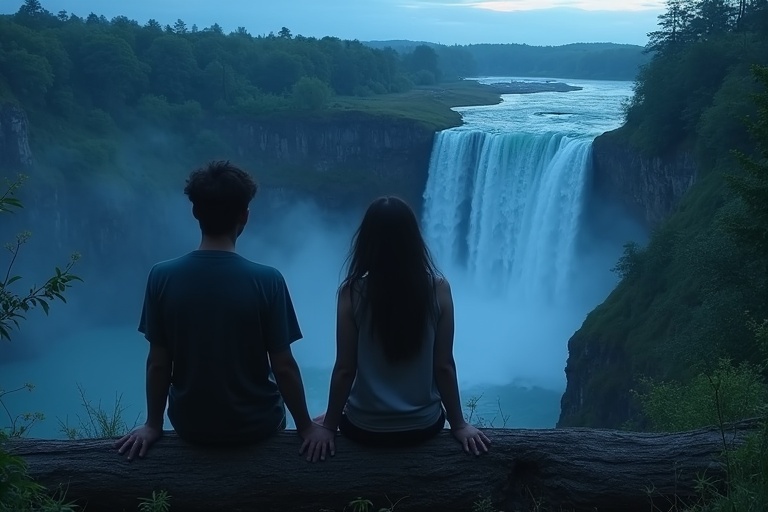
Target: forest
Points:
(591, 61)
(92, 87)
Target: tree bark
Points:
(559, 469)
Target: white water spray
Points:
(506, 208)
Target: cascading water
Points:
(506, 207)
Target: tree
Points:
(285, 33)
(750, 223)
(674, 25)
(30, 76)
(110, 70)
(712, 18)
(311, 93)
(280, 71)
(180, 27)
(31, 8)
(173, 67)
(154, 25)
(423, 58)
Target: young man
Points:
(220, 329)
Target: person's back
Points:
(394, 367)
(220, 318)
(387, 396)
(220, 329)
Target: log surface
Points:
(558, 469)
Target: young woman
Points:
(394, 368)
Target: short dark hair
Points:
(220, 193)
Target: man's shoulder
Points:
(166, 266)
(262, 271)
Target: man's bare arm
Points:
(141, 439)
(289, 381)
(158, 383)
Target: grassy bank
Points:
(430, 105)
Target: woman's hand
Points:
(318, 441)
(472, 439)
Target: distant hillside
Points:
(600, 61)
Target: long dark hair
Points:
(389, 253)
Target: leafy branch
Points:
(14, 306)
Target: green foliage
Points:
(586, 61)
(686, 299)
(158, 502)
(98, 423)
(14, 306)
(365, 505)
(19, 493)
(729, 394)
(310, 93)
(484, 505)
(360, 505)
(750, 224)
(629, 263)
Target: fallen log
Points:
(559, 469)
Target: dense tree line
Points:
(596, 61)
(61, 60)
(96, 90)
(696, 89)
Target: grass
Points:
(428, 105)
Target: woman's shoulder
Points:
(441, 283)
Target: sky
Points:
(534, 22)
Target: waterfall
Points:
(506, 207)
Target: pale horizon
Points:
(532, 22)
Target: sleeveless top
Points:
(392, 397)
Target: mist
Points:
(93, 342)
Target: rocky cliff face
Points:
(340, 162)
(15, 155)
(648, 188)
(600, 368)
(346, 159)
(598, 393)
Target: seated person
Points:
(394, 368)
(220, 329)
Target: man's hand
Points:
(138, 441)
(472, 439)
(318, 441)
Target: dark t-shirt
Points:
(219, 315)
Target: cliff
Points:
(15, 154)
(649, 188)
(599, 382)
(613, 347)
(340, 159)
